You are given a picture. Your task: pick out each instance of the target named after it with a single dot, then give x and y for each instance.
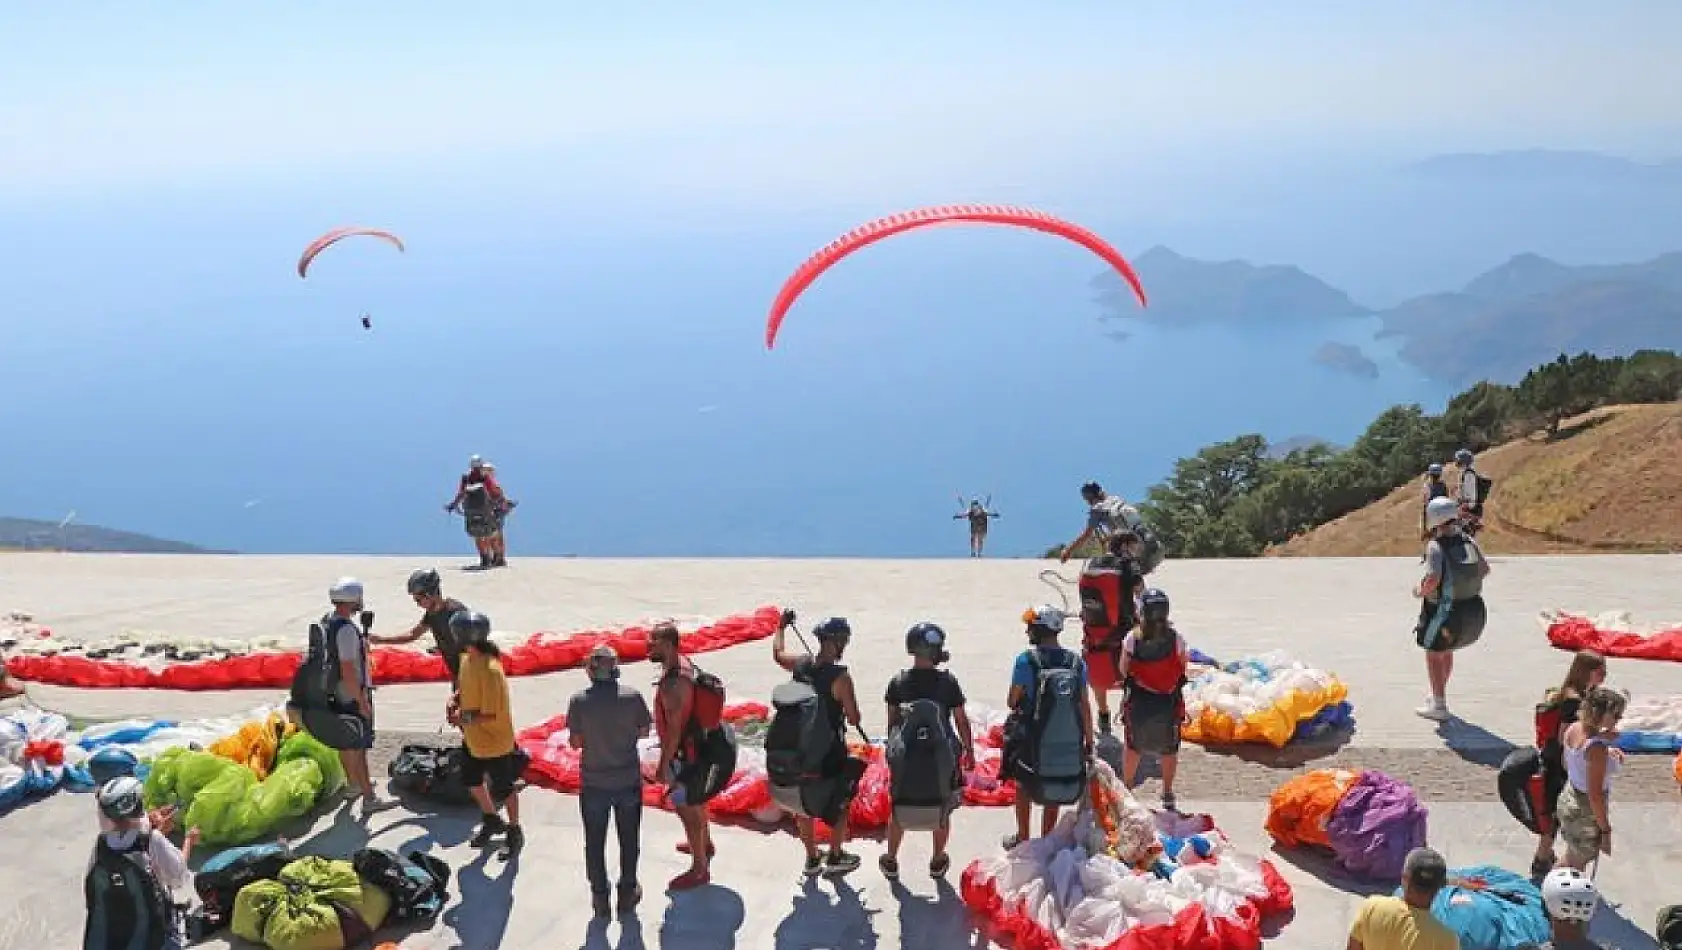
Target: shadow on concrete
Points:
(1321, 866)
(630, 934)
(706, 918)
(1612, 928)
(1473, 743)
(480, 915)
(816, 921)
(1294, 755)
(938, 923)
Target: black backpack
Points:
(432, 773)
(418, 883)
(1055, 756)
(1668, 928)
(220, 879)
(1521, 785)
(921, 766)
(801, 741)
(315, 693)
(128, 907)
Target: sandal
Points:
(940, 865)
(890, 867)
(689, 880)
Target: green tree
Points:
(1648, 376)
(1201, 491)
(1546, 393)
(1480, 417)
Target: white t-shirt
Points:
(1468, 487)
(352, 647)
(162, 855)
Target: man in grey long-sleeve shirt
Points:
(605, 721)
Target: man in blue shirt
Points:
(1043, 626)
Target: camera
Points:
(367, 619)
(788, 617)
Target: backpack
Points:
(1106, 599)
(1054, 755)
(128, 907)
(706, 709)
(418, 883)
(1521, 784)
(802, 739)
(1485, 486)
(219, 880)
(921, 766)
(431, 773)
(1667, 929)
(1151, 553)
(315, 691)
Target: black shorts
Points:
(1453, 625)
(835, 793)
(1151, 721)
(500, 772)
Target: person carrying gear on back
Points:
(1560, 707)
(838, 773)
(1109, 588)
(678, 697)
(1105, 514)
(134, 874)
(1153, 670)
(436, 610)
(1451, 609)
(979, 515)
(1570, 899)
(930, 746)
(605, 722)
(482, 503)
(490, 764)
(1471, 491)
(1048, 735)
(1433, 487)
(355, 686)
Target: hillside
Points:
(24, 534)
(1184, 291)
(1608, 483)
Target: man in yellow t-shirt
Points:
(490, 766)
(1405, 923)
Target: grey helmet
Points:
(122, 799)
(470, 626)
(1464, 457)
(424, 581)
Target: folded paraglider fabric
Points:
(540, 653)
(299, 910)
(1613, 634)
(1368, 820)
(1652, 724)
(1268, 699)
(36, 757)
(1491, 909)
(555, 764)
(1114, 875)
(227, 802)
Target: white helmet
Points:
(345, 590)
(1569, 895)
(122, 798)
(1440, 511)
(475, 461)
(1045, 615)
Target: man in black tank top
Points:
(831, 681)
(427, 590)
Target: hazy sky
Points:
(747, 102)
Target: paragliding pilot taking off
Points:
(979, 514)
(485, 507)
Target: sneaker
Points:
(629, 898)
(1104, 722)
(814, 865)
(1435, 710)
(512, 844)
(689, 880)
(489, 827)
(940, 865)
(840, 862)
(599, 903)
(889, 866)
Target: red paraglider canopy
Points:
(336, 235)
(868, 234)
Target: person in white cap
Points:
(356, 684)
(1044, 656)
(1570, 898)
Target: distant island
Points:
(1346, 358)
(25, 534)
(1543, 166)
(1496, 327)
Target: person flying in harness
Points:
(1153, 670)
(426, 588)
(1451, 609)
(1109, 589)
(834, 685)
(1434, 487)
(483, 505)
(1105, 514)
(979, 515)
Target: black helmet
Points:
(928, 640)
(833, 628)
(424, 581)
(1154, 603)
(1091, 489)
(470, 626)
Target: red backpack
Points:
(706, 708)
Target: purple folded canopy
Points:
(1375, 824)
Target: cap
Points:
(1425, 869)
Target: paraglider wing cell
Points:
(336, 235)
(870, 233)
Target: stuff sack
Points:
(417, 883)
(801, 739)
(222, 877)
(714, 762)
(1485, 486)
(313, 904)
(921, 767)
(430, 773)
(1521, 785)
(1151, 551)
(1054, 756)
(128, 907)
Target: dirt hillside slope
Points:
(1611, 481)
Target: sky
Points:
(761, 104)
(600, 200)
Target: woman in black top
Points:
(926, 643)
